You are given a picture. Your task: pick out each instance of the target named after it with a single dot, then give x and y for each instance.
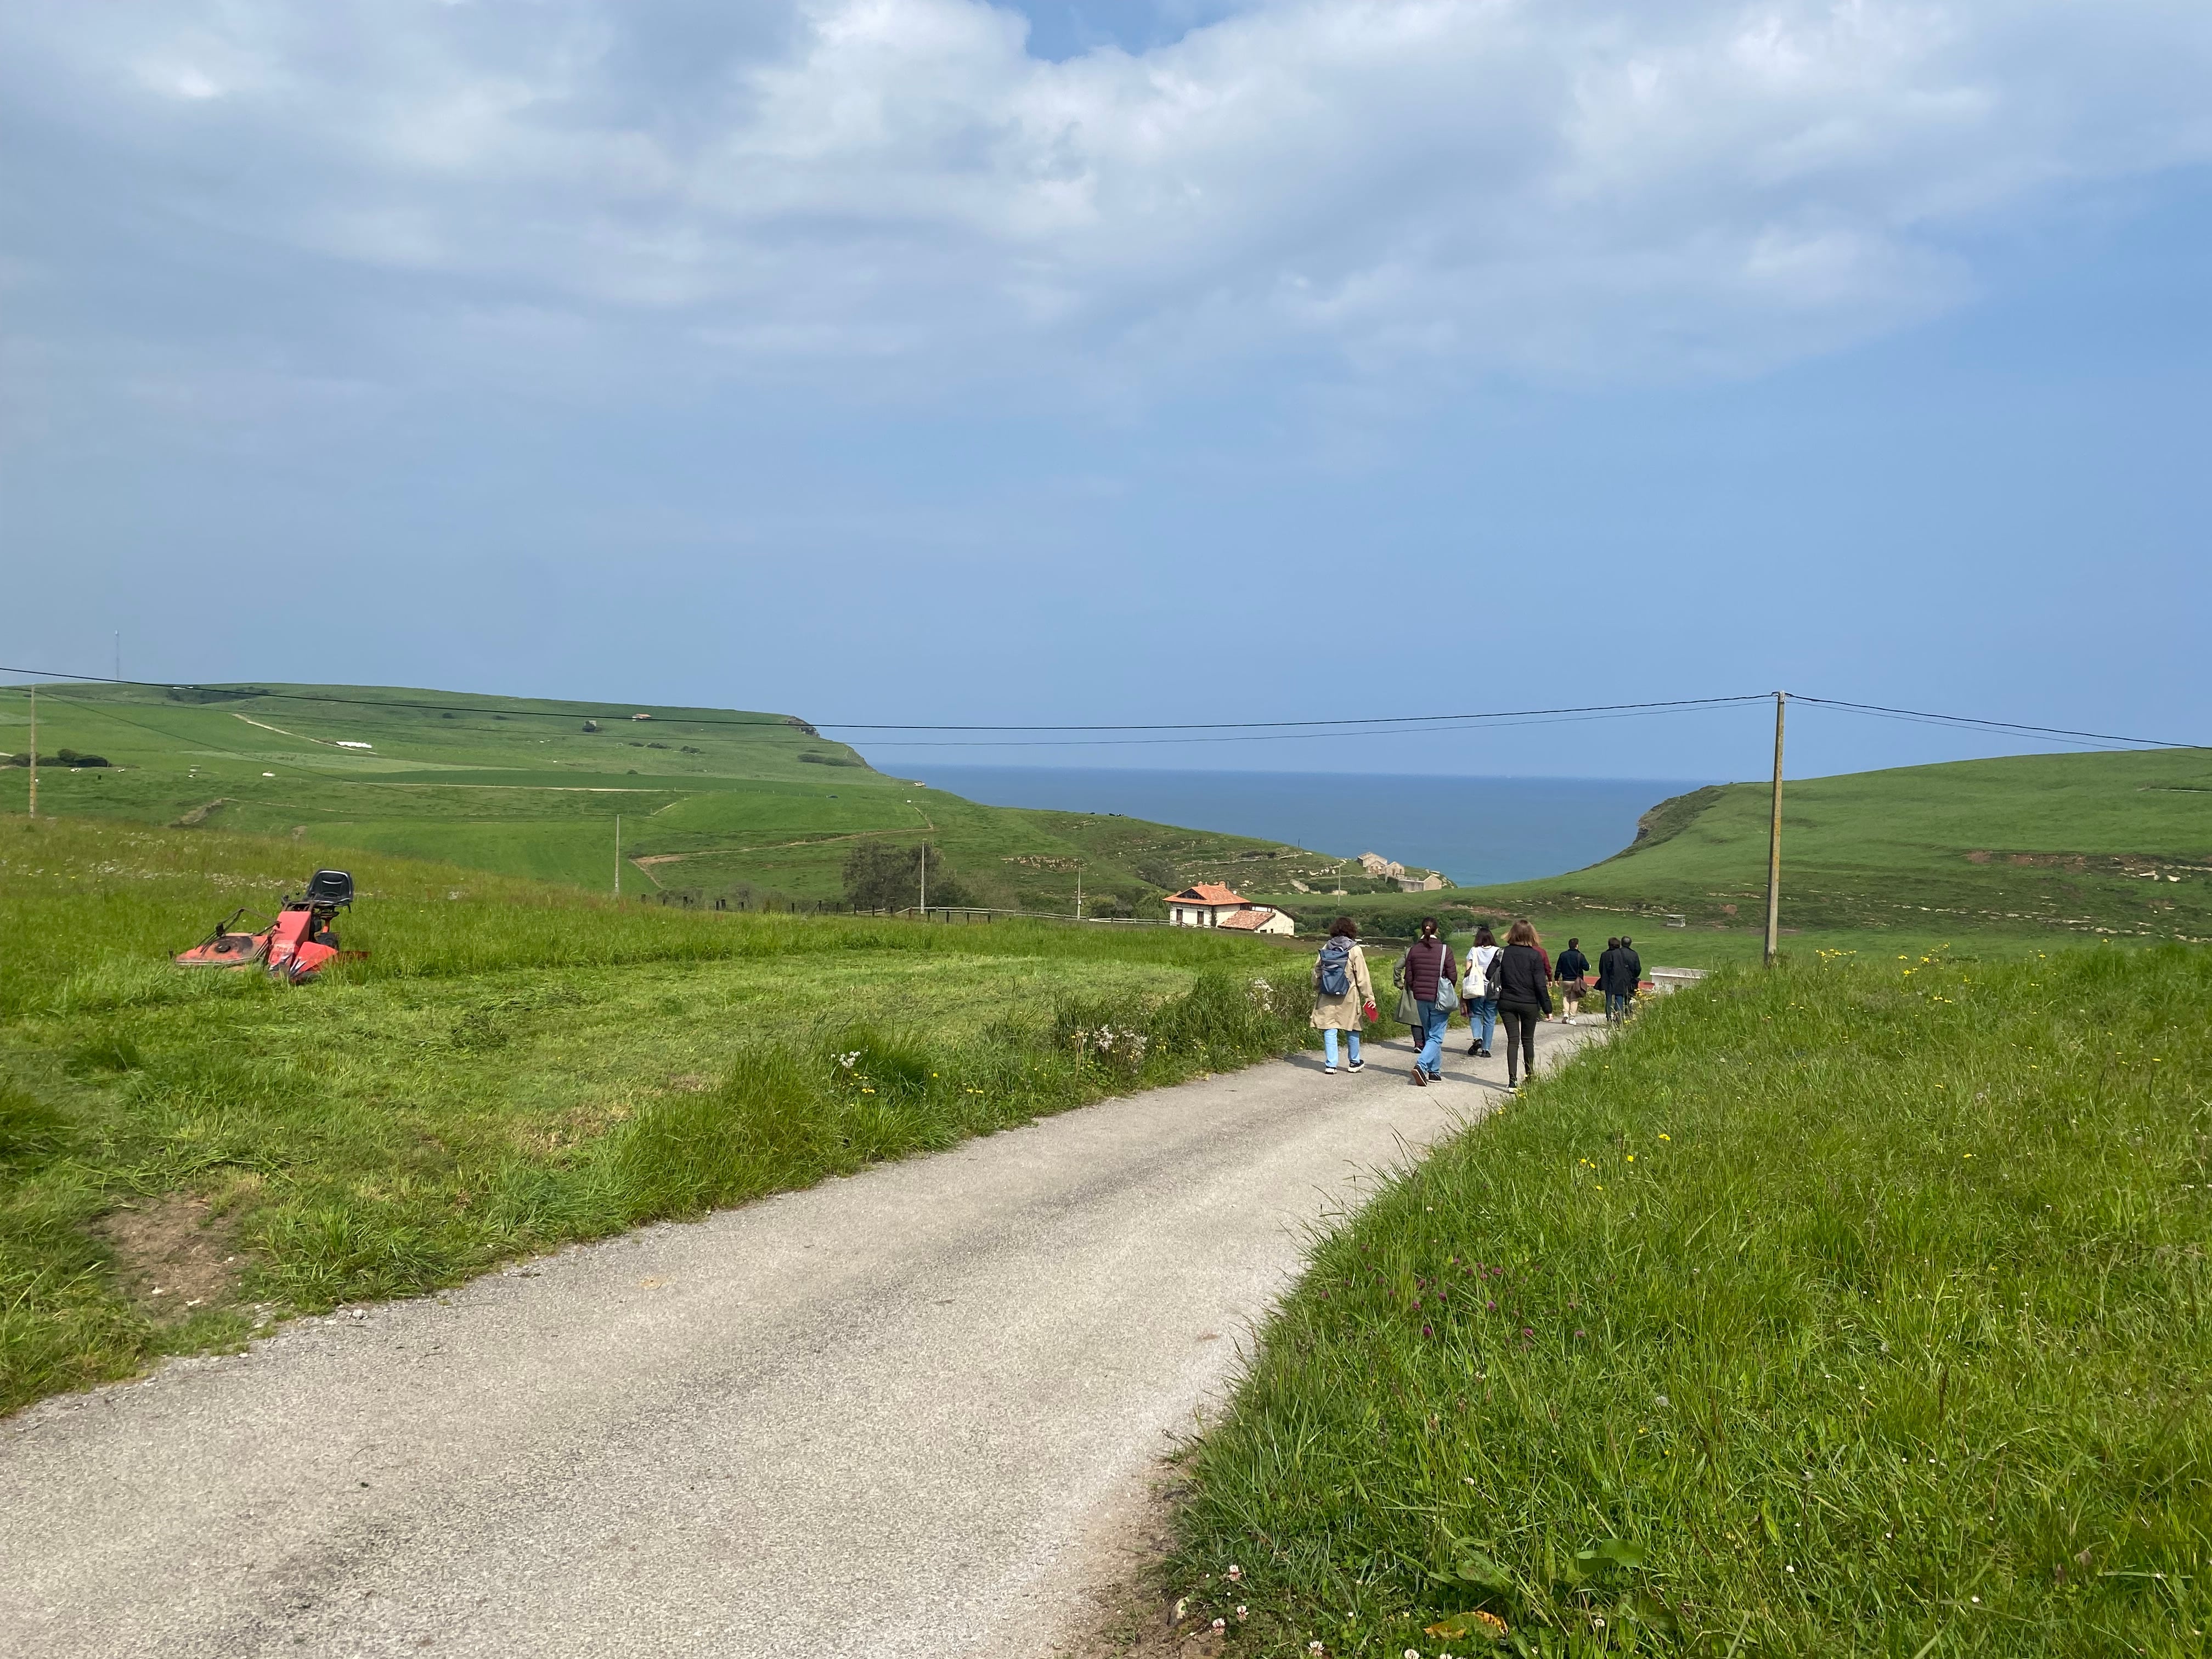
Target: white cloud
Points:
(1575, 189)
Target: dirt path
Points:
(908, 1413)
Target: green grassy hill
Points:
(713, 803)
(2113, 845)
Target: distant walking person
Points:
(1427, 973)
(1481, 1006)
(1609, 980)
(1572, 972)
(1631, 973)
(1344, 996)
(1524, 997)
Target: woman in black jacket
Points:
(1524, 996)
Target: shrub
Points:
(879, 875)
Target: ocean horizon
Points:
(1476, 830)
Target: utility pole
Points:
(118, 656)
(1079, 894)
(618, 855)
(1774, 842)
(34, 750)
(925, 881)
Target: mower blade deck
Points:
(229, 950)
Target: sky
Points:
(939, 361)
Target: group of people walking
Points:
(1509, 984)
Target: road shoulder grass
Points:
(185, 1157)
(1844, 1309)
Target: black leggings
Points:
(1520, 1027)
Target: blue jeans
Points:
(1616, 1006)
(1329, 1044)
(1431, 1028)
(1481, 1019)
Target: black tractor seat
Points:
(330, 887)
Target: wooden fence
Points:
(950, 914)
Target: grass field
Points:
(1854, 1307)
(750, 808)
(186, 1156)
(2012, 853)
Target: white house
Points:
(1259, 919)
(1209, 904)
(1205, 905)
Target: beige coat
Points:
(1342, 1013)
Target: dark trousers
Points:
(1519, 1022)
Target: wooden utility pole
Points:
(925, 881)
(1774, 842)
(34, 751)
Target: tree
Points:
(881, 877)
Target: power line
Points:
(1325, 727)
(1417, 722)
(1977, 722)
(1486, 723)
(1197, 731)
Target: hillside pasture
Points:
(746, 807)
(190, 1155)
(2012, 853)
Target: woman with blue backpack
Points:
(1344, 996)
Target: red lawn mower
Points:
(295, 947)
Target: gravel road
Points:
(899, 1414)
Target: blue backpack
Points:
(1336, 967)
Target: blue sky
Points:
(924, 360)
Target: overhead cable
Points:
(1977, 722)
(1415, 722)
(1189, 732)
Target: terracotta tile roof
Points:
(1208, 892)
(1257, 917)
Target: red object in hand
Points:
(1367, 1012)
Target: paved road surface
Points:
(897, 1413)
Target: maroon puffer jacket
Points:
(1428, 962)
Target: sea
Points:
(1475, 830)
